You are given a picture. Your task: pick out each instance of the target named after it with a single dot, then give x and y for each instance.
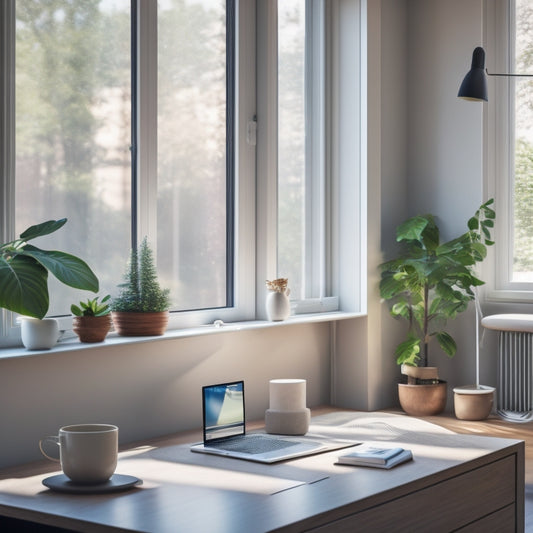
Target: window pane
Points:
(523, 157)
(73, 131)
(192, 101)
(291, 145)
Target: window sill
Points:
(72, 343)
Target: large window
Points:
(182, 121)
(510, 133)
(158, 164)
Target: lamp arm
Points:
(509, 75)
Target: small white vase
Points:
(39, 334)
(278, 306)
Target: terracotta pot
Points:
(473, 403)
(131, 324)
(423, 400)
(91, 328)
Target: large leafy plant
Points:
(430, 283)
(24, 271)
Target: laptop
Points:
(225, 432)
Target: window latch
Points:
(251, 132)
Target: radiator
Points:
(515, 376)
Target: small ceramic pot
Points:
(278, 306)
(39, 334)
(473, 403)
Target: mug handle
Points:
(53, 439)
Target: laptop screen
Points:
(223, 408)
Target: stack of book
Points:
(376, 457)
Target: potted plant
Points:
(92, 319)
(428, 284)
(24, 272)
(141, 308)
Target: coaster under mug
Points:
(116, 483)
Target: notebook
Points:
(225, 432)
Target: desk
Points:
(464, 482)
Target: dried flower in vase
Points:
(278, 285)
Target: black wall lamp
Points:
(474, 86)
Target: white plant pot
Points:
(39, 334)
(278, 306)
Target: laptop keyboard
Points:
(254, 444)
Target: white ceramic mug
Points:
(87, 452)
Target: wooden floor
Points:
(496, 427)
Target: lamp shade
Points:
(474, 86)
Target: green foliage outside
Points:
(523, 208)
(522, 192)
(73, 137)
(431, 282)
(72, 89)
(141, 291)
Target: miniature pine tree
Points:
(152, 297)
(141, 291)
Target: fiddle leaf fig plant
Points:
(431, 282)
(24, 271)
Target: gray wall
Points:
(445, 134)
(442, 171)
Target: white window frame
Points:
(499, 150)
(341, 103)
(338, 171)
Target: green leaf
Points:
(45, 228)
(75, 310)
(412, 229)
(400, 309)
(473, 223)
(24, 286)
(407, 351)
(447, 343)
(435, 304)
(67, 268)
(390, 287)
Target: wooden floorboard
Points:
(496, 427)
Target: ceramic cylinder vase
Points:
(278, 306)
(39, 334)
(288, 414)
